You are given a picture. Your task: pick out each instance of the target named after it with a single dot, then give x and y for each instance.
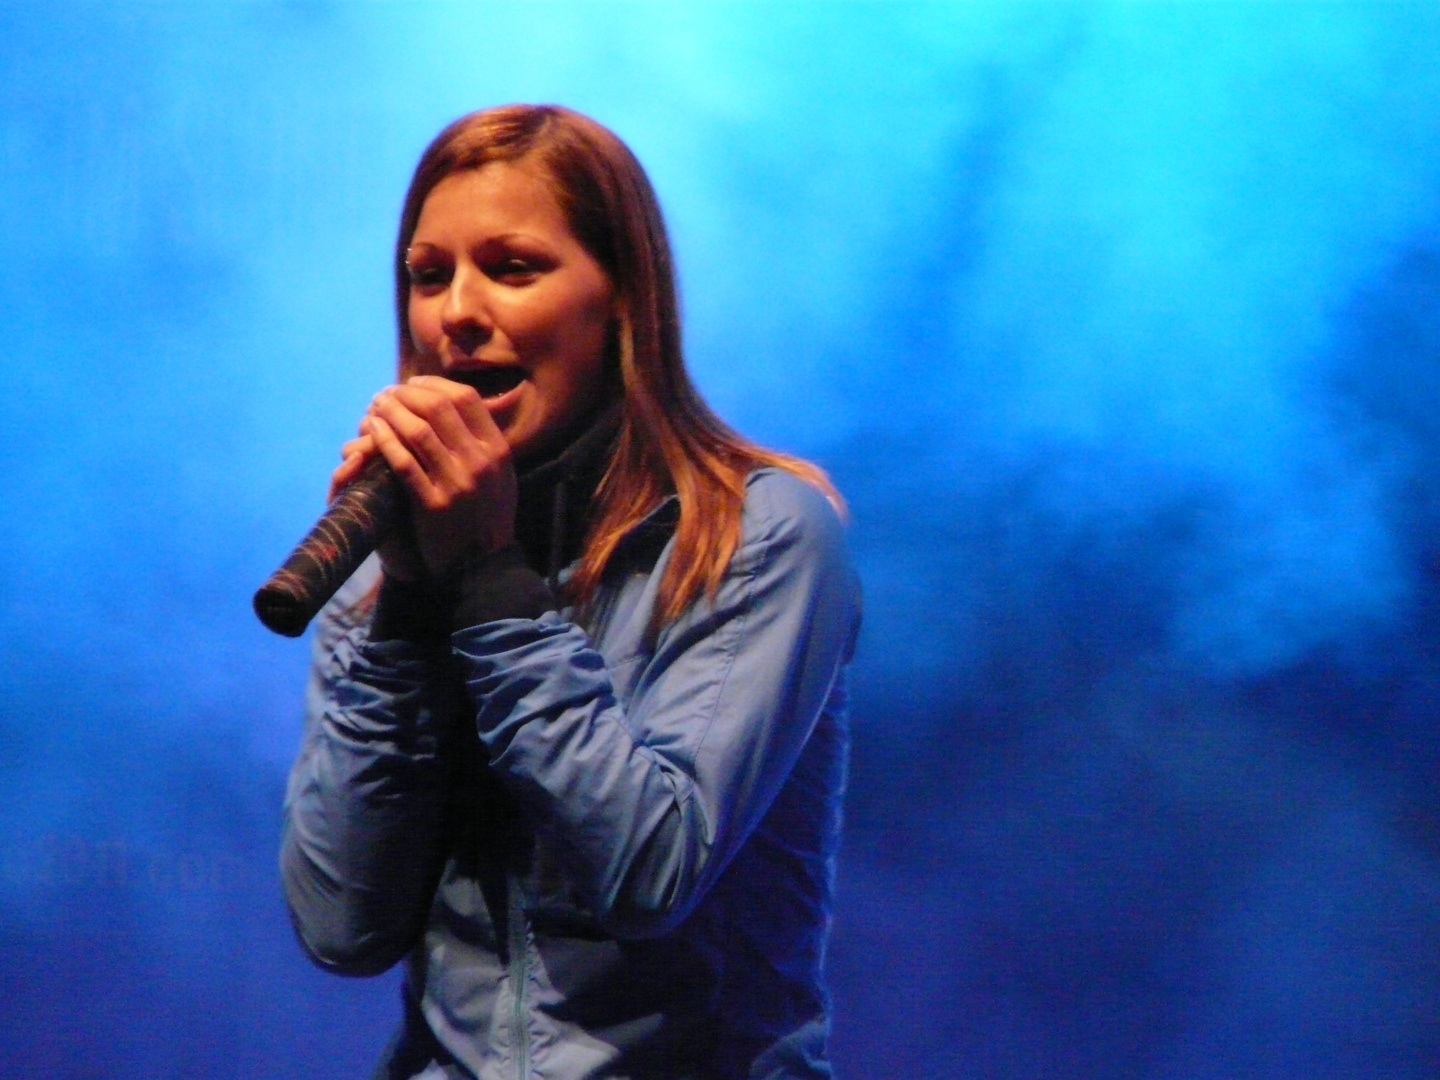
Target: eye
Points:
(513, 270)
(426, 275)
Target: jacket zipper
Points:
(519, 976)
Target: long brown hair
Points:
(669, 441)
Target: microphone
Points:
(359, 520)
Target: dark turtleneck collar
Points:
(555, 495)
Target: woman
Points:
(575, 747)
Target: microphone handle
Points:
(359, 519)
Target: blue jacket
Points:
(604, 853)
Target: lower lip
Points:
(509, 397)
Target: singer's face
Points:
(504, 298)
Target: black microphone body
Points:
(359, 520)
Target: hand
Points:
(439, 438)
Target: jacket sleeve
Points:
(649, 801)
(364, 812)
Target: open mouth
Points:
(490, 382)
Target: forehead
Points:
(497, 199)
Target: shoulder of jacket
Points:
(778, 502)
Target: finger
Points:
(443, 465)
(453, 456)
(363, 446)
(356, 454)
(466, 401)
(347, 470)
(454, 411)
(343, 476)
(400, 459)
(426, 403)
(462, 421)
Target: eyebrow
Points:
(501, 238)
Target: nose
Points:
(465, 318)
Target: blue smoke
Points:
(1117, 324)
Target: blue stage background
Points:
(1118, 324)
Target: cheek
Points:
(568, 328)
(594, 314)
(588, 335)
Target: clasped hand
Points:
(439, 438)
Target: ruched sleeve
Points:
(649, 794)
(363, 843)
